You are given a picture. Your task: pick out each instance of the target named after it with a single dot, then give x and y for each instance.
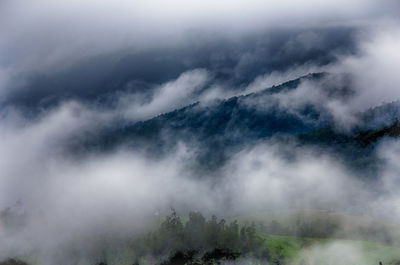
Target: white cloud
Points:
(374, 70)
(167, 97)
(337, 252)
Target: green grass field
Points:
(293, 250)
(341, 248)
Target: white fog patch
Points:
(167, 97)
(277, 78)
(265, 178)
(339, 252)
(341, 112)
(27, 146)
(374, 70)
(106, 195)
(388, 204)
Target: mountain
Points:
(233, 119)
(221, 128)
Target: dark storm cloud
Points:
(84, 50)
(233, 63)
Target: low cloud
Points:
(167, 97)
(337, 253)
(115, 193)
(374, 69)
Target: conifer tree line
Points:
(200, 235)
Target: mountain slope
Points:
(221, 128)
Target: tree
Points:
(195, 230)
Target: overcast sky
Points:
(41, 38)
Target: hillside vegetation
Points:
(289, 237)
